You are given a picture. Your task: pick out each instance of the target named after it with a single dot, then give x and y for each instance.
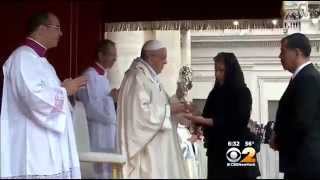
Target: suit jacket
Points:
(298, 125)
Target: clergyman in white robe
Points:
(37, 137)
(149, 137)
(101, 116)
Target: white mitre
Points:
(152, 45)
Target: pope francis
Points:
(148, 136)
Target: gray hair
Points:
(146, 55)
(104, 46)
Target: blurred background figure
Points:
(99, 102)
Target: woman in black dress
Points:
(225, 118)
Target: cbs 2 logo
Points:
(234, 155)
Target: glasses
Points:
(53, 26)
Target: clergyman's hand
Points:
(179, 107)
(115, 93)
(73, 85)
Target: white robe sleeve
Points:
(44, 98)
(96, 106)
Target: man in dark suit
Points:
(297, 128)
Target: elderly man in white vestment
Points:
(37, 137)
(99, 102)
(149, 137)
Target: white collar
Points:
(105, 69)
(98, 64)
(153, 73)
(300, 68)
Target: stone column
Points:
(185, 47)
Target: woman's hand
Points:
(198, 119)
